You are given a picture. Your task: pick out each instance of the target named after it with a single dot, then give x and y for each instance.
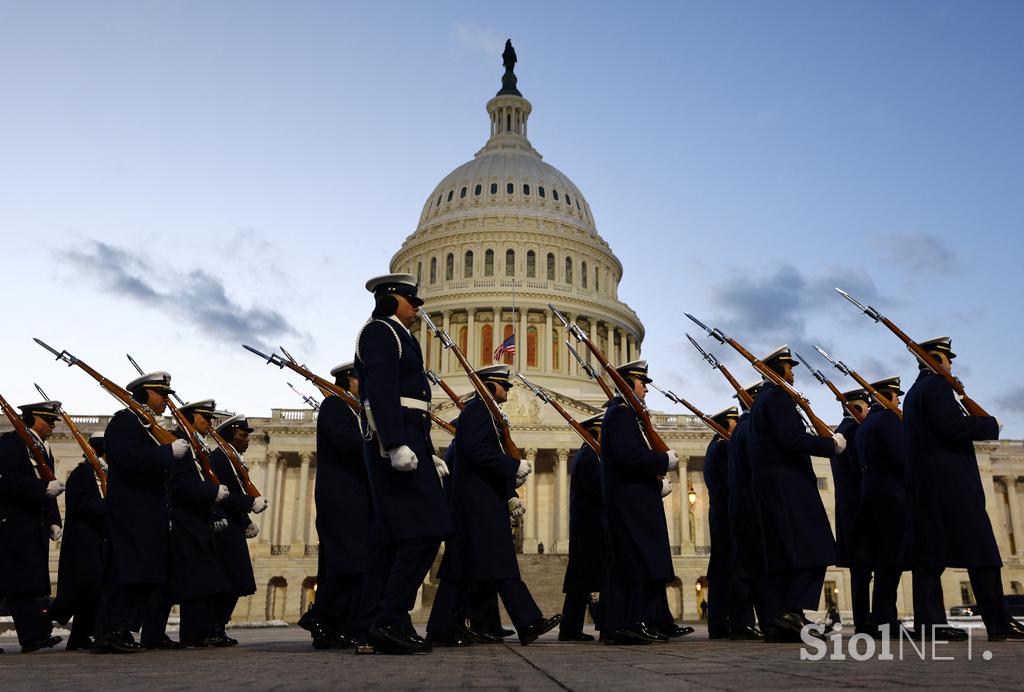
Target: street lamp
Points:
(691, 495)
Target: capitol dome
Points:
(499, 238)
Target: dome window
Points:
(462, 192)
(551, 266)
(510, 188)
(568, 200)
(583, 274)
(449, 269)
(526, 189)
(439, 200)
(554, 194)
(477, 190)
(467, 269)
(510, 262)
(451, 193)
(489, 263)
(540, 190)
(568, 270)
(531, 264)
(578, 204)
(433, 270)
(494, 188)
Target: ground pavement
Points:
(281, 658)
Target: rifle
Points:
(143, 412)
(708, 421)
(742, 393)
(972, 407)
(846, 370)
(580, 430)
(202, 452)
(309, 401)
(589, 369)
(35, 447)
(629, 396)
(83, 442)
(505, 429)
(820, 377)
(820, 427)
(436, 379)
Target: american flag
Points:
(508, 347)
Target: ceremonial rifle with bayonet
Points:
(504, 428)
(35, 447)
(199, 447)
(309, 401)
(820, 427)
(705, 418)
(820, 377)
(547, 399)
(83, 442)
(589, 369)
(969, 404)
(628, 395)
(743, 394)
(436, 379)
(846, 370)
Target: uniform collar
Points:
(399, 323)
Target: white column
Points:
(523, 340)
(471, 353)
(699, 512)
(566, 358)
(546, 349)
(533, 507)
(622, 347)
(302, 492)
(562, 484)
(1015, 518)
(443, 352)
(685, 544)
(279, 490)
(270, 488)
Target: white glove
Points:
(219, 525)
(673, 460)
(179, 448)
(520, 482)
(516, 507)
(251, 531)
(403, 459)
(441, 467)
(258, 505)
(222, 493)
(524, 470)
(999, 423)
(56, 532)
(54, 488)
(840, 441)
(666, 487)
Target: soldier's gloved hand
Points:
(441, 467)
(54, 488)
(251, 531)
(840, 441)
(219, 525)
(56, 532)
(666, 487)
(673, 460)
(222, 493)
(516, 507)
(524, 470)
(103, 465)
(179, 448)
(403, 459)
(258, 505)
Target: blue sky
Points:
(182, 176)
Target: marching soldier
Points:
(640, 556)
(587, 547)
(747, 590)
(229, 544)
(798, 542)
(716, 478)
(884, 522)
(342, 518)
(846, 478)
(951, 526)
(409, 512)
(82, 551)
(28, 518)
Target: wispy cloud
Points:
(479, 40)
(1012, 400)
(917, 251)
(198, 297)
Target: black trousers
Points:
(883, 597)
(29, 621)
(574, 611)
(393, 576)
(486, 617)
(337, 601)
(860, 595)
(449, 607)
(987, 584)
(630, 603)
(200, 618)
(518, 602)
(223, 607)
(718, 604)
(745, 598)
(123, 606)
(793, 591)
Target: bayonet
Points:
(572, 328)
(704, 354)
(837, 364)
(309, 401)
(716, 334)
(272, 359)
(62, 355)
(446, 340)
(541, 394)
(817, 373)
(866, 309)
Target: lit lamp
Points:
(691, 496)
(699, 587)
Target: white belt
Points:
(405, 401)
(418, 404)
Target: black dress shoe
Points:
(204, 642)
(1013, 631)
(575, 637)
(415, 638)
(229, 641)
(718, 635)
(220, 641)
(389, 640)
(745, 634)
(503, 632)
(464, 631)
(530, 633)
(674, 631)
(641, 632)
(448, 640)
(44, 642)
(945, 633)
(80, 646)
(117, 642)
(623, 638)
(165, 644)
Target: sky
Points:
(182, 177)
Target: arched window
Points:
(568, 270)
(568, 200)
(556, 348)
(277, 597)
(419, 272)
(531, 264)
(551, 267)
(308, 592)
(451, 193)
(439, 200)
(510, 262)
(554, 193)
(526, 189)
(507, 331)
(540, 190)
(494, 188)
(449, 269)
(489, 263)
(510, 188)
(462, 192)
(597, 278)
(486, 343)
(583, 274)
(467, 269)
(463, 339)
(531, 347)
(477, 190)
(433, 270)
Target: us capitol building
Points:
(498, 238)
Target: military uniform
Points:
(716, 478)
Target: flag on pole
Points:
(508, 347)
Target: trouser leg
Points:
(741, 590)
(574, 611)
(860, 595)
(126, 605)
(718, 605)
(198, 619)
(773, 596)
(929, 609)
(883, 609)
(346, 614)
(224, 607)
(486, 617)
(613, 598)
(519, 604)
(154, 620)
(658, 614)
(447, 603)
(83, 625)
(803, 590)
(28, 618)
(410, 563)
(988, 590)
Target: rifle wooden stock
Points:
(198, 448)
(35, 449)
(575, 424)
(241, 470)
(451, 394)
(742, 393)
(708, 421)
(857, 415)
(90, 453)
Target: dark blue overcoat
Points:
(846, 481)
(587, 545)
(716, 478)
(744, 514)
(230, 545)
(885, 522)
(83, 545)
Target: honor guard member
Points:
(587, 546)
(195, 578)
(82, 551)
(798, 542)
(483, 496)
(716, 478)
(884, 521)
(846, 478)
(342, 519)
(28, 519)
(747, 586)
(640, 557)
(951, 526)
(229, 544)
(409, 512)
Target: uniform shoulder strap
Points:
(386, 323)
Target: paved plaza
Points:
(281, 658)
